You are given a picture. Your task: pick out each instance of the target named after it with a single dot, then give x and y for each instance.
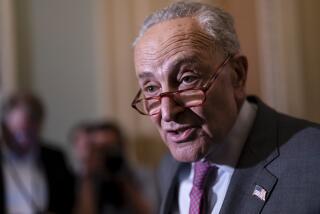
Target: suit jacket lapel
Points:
(252, 171)
(44, 160)
(170, 188)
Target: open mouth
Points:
(181, 135)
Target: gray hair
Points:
(218, 24)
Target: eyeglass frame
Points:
(172, 94)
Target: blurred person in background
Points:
(107, 183)
(81, 139)
(34, 176)
(85, 171)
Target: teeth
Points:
(177, 131)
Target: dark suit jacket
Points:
(60, 181)
(282, 155)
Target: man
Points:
(229, 153)
(81, 139)
(107, 184)
(34, 177)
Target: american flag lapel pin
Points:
(260, 192)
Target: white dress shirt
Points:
(225, 160)
(24, 183)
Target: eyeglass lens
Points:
(187, 98)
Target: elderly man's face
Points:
(176, 55)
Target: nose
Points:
(169, 109)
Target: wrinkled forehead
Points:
(170, 38)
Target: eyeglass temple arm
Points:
(136, 98)
(219, 69)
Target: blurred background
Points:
(77, 55)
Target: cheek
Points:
(203, 119)
(218, 112)
(156, 119)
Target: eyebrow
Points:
(193, 60)
(145, 74)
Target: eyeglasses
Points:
(186, 98)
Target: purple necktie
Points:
(201, 171)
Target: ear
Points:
(239, 65)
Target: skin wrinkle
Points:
(204, 40)
(191, 59)
(194, 37)
(157, 62)
(190, 39)
(181, 47)
(160, 60)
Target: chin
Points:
(186, 158)
(187, 152)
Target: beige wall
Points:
(7, 47)
(288, 45)
(55, 57)
(244, 13)
(310, 53)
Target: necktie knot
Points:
(201, 170)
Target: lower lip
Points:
(181, 137)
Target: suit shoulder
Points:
(298, 138)
(53, 156)
(295, 124)
(165, 162)
(167, 159)
(166, 172)
(291, 128)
